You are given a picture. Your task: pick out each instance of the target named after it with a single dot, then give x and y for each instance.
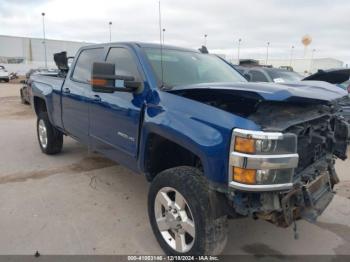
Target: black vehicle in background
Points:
(339, 76)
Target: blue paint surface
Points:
(119, 124)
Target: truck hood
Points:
(312, 92)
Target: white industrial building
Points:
(305, 66)
(19, 54)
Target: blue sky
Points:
(256, 22)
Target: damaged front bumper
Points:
(303, 200)
(307, 201)
(302, 192)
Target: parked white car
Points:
(4, 75)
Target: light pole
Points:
(291, 55)
(267, 52)
(110, 31)
(239, 47)
(205, 40)
(163, 35)
(312, 59)
(44, 40)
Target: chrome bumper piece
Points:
(260, 188)
(264, 161)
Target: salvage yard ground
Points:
(81, 203)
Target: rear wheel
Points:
(181, 212)
(50, 139)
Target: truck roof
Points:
(142, 45)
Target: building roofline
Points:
(47, 39)
(140, 44)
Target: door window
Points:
(83, 67)
(125, 63)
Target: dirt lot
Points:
(81, 203)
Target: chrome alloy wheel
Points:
(174, 219)
(42, 133)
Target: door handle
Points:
(66, 90)
(97, 98)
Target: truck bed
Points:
(55, 81)
(43, 85)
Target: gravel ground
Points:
(81, 203)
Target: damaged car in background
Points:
(339, 77)
(213, 146)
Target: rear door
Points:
(115, 117)
(76, 93)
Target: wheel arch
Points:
(39, 105)
(161, 153)
(42, 98)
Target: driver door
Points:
(115, 117)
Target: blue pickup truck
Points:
(213, 146)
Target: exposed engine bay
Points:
(320, 142)
(227, 101)
(322, 136)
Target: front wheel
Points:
(50, 139)
(181, 212)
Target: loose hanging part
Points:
(295, 230)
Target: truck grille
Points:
(312, 141)
(309, 152)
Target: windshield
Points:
(284, 76)
(186, 68)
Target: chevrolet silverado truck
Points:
(213, 146)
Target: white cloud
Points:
(186, 21)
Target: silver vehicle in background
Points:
(4, 75)
(267, 74)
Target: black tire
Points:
(210, 228)
(54, 137)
